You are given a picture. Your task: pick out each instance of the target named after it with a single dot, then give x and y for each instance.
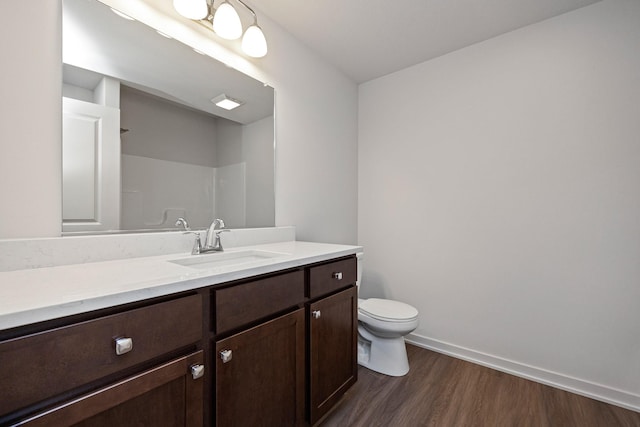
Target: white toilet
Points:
(382, 325)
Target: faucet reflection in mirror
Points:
(225, 22)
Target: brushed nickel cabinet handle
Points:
(316, 314)
(226, 356)
(338, 275)
(197, 371)
(123, 345)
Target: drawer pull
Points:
(197, 371)
(123, 345)
(226, 356)
(338, 275)
(316, 314)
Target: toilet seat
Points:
(387, 310)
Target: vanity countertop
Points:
(39, 294)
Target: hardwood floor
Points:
(443, 391)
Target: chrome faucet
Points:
(213, 234)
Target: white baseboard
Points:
(574, 385)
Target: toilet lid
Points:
(389, 310)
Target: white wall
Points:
(31, 119)
(316, 141)
(499, 193)
(257, 148)
(316, 130)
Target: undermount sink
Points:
(226, 259)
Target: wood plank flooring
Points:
(443, 391)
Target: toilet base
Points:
(384, 355)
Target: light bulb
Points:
(192, 9)
(253, 43)
(226, 22)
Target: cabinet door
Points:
(167, 395)
(333, 325)
(260, 375)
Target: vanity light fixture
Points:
(225, 22)
(253, 43)
(226, 102)
(192, 9)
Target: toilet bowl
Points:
(382, 325)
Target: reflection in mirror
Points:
(143, 144)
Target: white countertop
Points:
(39, 294)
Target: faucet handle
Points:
(197, 245)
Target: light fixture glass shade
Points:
(226, 22)
(253, 43)
(192, 9)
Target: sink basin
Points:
(226, 259)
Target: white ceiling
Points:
(367, 39)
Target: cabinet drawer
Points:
(326, 278)
(43, 365)
(166, 395)
(245, 303)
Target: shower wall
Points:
(177, 162)
(168, 163)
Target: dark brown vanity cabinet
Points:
(332, 350)
(291, 367)
(260, 375)
(272, 350)
(332, 336)
(260, 367)
(132, 367)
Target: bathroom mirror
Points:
(143, 143)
